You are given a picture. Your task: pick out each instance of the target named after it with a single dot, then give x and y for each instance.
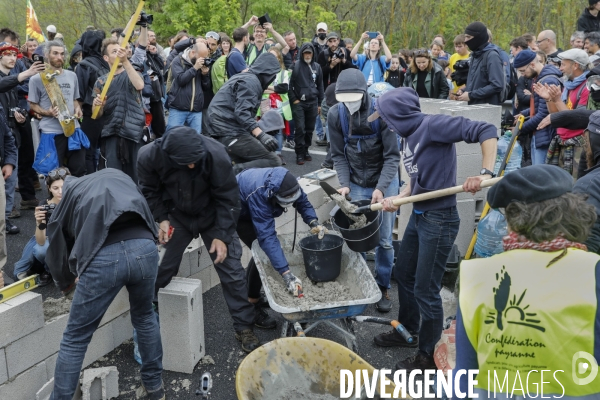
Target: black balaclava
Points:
(594, 134)
(480, 35)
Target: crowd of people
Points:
(188, 140)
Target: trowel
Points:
(424, 196)
(330, 190)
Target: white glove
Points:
(292, 283)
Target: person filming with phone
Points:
(373, 65)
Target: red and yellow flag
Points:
(32, 26)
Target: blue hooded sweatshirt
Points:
(257, 189)
(429, 153)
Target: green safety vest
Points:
(522, 314)
(286, 109)
(252, 53)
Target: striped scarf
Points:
(513, 241)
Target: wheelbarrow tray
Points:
(354, 273)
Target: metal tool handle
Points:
(383, 321)
(403, 332)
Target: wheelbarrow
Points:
(340, 315)
(300, 368)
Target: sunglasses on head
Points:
(213, 35)
(59, 173)
(421, 53)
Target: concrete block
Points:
(100, 383)
(204, 276)
(36, 347)
(3, 367)
(468, 165)
(119, 305)
(182, 322)
(102, 343)
(467, 213)
(204, 260)
(46, 390)
(481, 112)
(432, 106)
(25, 385)
(20, 316)
(314, 192)
(122, 329)
(214, 277)
(246, 255)
(184, 266)
(464, 148)
(51, 364)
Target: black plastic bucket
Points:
(363, 239)
(322, 257)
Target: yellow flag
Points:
(32, 26)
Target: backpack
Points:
(510, 76)
(170, 76)
(218, 73)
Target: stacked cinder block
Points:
(469, 160)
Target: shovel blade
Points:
(362, 210)
(327, 188)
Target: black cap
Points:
(530, 185)
(335, 35)
(289, 185)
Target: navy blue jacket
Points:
(8, 148)
(487, 76)
(550, 75)
(257, 189)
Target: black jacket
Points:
(8, 148)
(81, 221)
(330, 75)
(91, 67)
(291, 57)
(376, 163)
(9, 97)
(587, 22)
(395, 78)
(234, 107)
(486, 76)
(123, 113)
(205, 198)
(590, 184)
(302, 82)
(523, 99)
(188, 84)
(318, 47)
(435, 82)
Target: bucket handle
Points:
(360, 240)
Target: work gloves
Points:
(292, 283)
(317, 229)
(268, 141)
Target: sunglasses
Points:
(422, 53)
(59, 173)
(213, 35)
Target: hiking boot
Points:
(29, 204)
(307, 156)
(321, 142)
(158, 394)
(385, 304)
(11, 229)
(300, 160)
(394, 339)
(326, 165)
(249, 340)
(282, 160)
(15, 213)
(263, 319)
(420, 361)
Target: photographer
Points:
(333, 60)
(189, 79)
(34, 254)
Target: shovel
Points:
(330, 190)
(425, 196)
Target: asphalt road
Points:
(221, 344)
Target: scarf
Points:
(514, 241)
(572, 85)
(186, 55)
(568, 147)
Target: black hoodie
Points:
(587, 22)
(204, 198)
(306, 79)
(232, 111)
(91, 67)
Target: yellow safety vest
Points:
(286, 109)
(252, 53)
(521, 315)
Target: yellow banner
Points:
(32, 26)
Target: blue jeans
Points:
(133, 264)
(419, 269)
(319, 128)
(187, 118)
(384, 253)
(32, 250)
(9, 187)
(279, 138)
(538, 155)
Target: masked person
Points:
(366, 158)
(266, 193)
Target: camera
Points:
(339, 53)
(461, 72)
(49, 208)
(37, 58)
(11, 112)
(145, 19)
(208, 62)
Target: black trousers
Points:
(305, 116)
(158, 118)
(92, 129)
(111, 149)
(245, 229)
(72, 159)
(25, 172)
(247, 152)
(230, 271)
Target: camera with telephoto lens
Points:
(339, 53)
(11, 112)
(145, 19)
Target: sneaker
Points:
(385, 304)
(320, 142)
(282, 160)
(263, 319)
(326, 165)
(300, 160)
(29, 204)
(394, 339)
(307, 156)
(290, 144)
(21, 275)
(248, 339)
(11, 229)
(158, 394)
(15, 213)
(420, 361)
(45, 279)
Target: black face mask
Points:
(322, 36)
(595, 95)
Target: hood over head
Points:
(400, 110)
(183, 145)
(91, 44)
(594, 134)
(76, 49)
(351, 86)
(265, 67)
